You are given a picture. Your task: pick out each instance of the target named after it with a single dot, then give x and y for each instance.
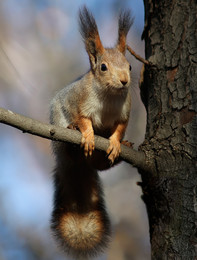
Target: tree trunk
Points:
(169, 93)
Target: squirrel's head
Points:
(109, 65)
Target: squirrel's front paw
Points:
(114, 149)
(87, 141)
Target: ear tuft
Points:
(87, 24)
(125, 22)
(89, 32)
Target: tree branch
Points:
(35, 127)
(138, 57)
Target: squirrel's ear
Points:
(125, 22)
(89, 32)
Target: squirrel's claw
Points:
(113, 150)
(88, 143)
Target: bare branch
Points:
(138, 57)
(35, 127)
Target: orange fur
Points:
(114, 147)
(122, 42)
(87, 140)
(99, 45)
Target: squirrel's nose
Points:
(124, 82)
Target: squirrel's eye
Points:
(103, 67)
(130, 67)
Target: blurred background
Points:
(40, 52)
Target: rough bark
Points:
(169, 93)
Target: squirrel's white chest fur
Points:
(105, 112)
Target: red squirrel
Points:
(98, 103)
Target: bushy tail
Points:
(79, 219)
